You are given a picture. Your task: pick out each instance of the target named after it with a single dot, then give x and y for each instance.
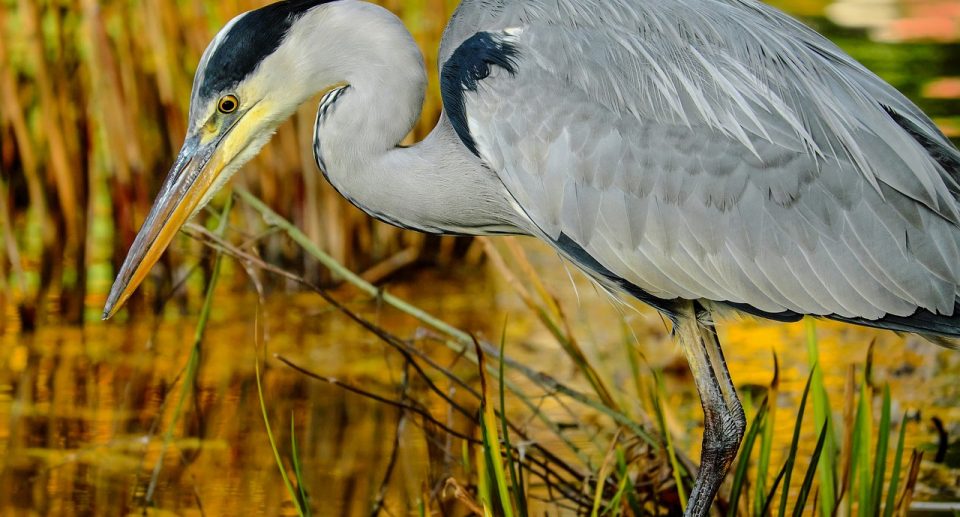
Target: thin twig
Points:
(463, 339)
(231, 250)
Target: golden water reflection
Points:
(86, 410)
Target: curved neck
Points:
(435, 186)
(368, 48)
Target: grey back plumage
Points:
(717, 149)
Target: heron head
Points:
(246, 85)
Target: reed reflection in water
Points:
(86, 409)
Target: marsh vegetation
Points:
(447, 376)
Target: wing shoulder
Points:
(462, 72)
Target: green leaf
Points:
(491, 441)
(297, 471)
(657, 396)
(766, 440)
(743, 463)
(821, 417)
(518, 489)
(895, 473)
(880, 456)
(794, 445)
(801, 501)
(864, 465)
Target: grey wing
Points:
(713, 150)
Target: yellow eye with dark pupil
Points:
(228, 104)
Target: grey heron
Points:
(696, 154)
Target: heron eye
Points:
(228, 104)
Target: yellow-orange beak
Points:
(195, 171)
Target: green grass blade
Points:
(520, 498)
(821, 417)
(773, 490)
(301, 511)
(491, 440)
(801, 501)
(864, 465)
(632, 502)
(623, 487)
(613, 506)
(766, 440)
(298, 472)
(465, 457)
(606, 469)
(895, 473)
(273, 443)
(743, 464)
(483, 478)
(794, 445)
(856, 437)
(880, 456)
(657, 396)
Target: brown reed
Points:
(94, 98)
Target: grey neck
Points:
(435, 186)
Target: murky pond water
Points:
(86, 412)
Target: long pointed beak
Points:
(180, 197)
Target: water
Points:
(86, 410)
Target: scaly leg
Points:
(723, 418)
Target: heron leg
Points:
(723, 418)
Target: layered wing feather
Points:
(717, 150)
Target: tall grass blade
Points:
(606, 468)
(632, 359)
(821, 418)
(766, 440)
(273, 443)
(657, 396)
(794, 445)
(549, 313)
(491, 441)
(880, 456)
(743, 463)
(624, 487)
(864, 465)
(847, 450)
(483, 479)
(800, 504)
(294, 495)
(297, 471)
(632, 502)
(895, 473)
(773, 490)
(519, 492)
